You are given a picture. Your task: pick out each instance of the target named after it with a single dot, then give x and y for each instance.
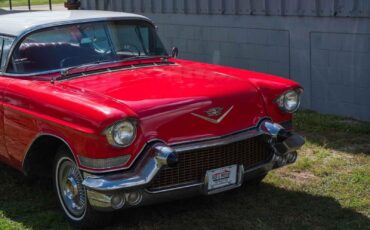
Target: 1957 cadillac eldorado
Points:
(93, 100)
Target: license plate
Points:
(222, 177)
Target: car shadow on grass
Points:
(263, 207)
(32, 205)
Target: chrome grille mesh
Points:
(193, 164)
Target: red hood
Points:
(167, 100)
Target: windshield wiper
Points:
(67, 71)
(143, 57)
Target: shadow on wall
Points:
(33, 206)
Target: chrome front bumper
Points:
(124, 190)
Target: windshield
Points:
(75, 45)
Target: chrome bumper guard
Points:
(124, 190)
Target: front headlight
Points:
(121, 134)
(289, 102)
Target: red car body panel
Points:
(162, 99)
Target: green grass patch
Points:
(5, 3)
(327, 188)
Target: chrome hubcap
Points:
(71, 189)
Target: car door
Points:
(5, 44)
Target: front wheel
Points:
(71, 194)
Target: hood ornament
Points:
(213, 113)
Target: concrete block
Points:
(328, 41)
(362, 96)
(257, 36)
(320, 57)
(181, 44)
(338, 59)
(215, 33)
(279, 69)
(236, 35)
(211, 47)
(362, 79)
(258, 65)
(195, 46)
(235, 62)
(364, 113)
(356, 43)
(318, 92)
(278, 38)
(319, 75)
(229, 49)
(334, 76)
(339, 93)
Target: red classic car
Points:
(93, 100)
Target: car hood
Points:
(177, 103)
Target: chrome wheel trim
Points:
(71, 192)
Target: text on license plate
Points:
(222, 177)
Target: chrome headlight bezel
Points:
(281, 101)
(112, 131)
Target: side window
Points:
(1, 53)
(5, 44)
(144, 34)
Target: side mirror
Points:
(175, 52)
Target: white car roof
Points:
(17, 23)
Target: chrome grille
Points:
(193, 164)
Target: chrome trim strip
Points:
(174, 188)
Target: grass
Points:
(5, 3)
(327, 188)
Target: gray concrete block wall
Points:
(340, 73)
(233, 46)
(329, 56)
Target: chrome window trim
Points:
(25, 33)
